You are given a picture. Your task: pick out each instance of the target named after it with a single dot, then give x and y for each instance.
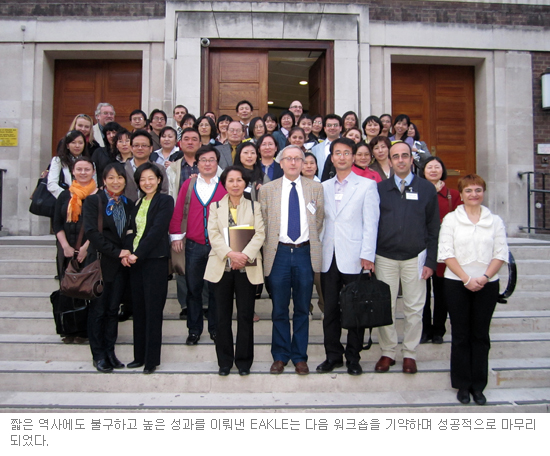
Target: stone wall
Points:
(541, 129)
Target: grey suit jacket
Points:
(351, 231)
(225, 155)
(270, 199)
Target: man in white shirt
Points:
(244, 111)
(333, 127)
(179, 112)
(293, 211)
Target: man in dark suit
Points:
(293, 211)
(406, 251)
(235, 135)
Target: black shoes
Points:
(224, 371)
(244, 372)
(124, 315)
(425, 338)
(115, 362)
(183, 314)
(437, 340)
(328, 366)
(134, 365)
(103, 365)
(479, 397)
(354, 368)
(213, 336)
(149, 370)
(463, 396)
(192, 339)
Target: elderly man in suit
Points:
(349, 243)
(104, 113)
(235, 136)
(293, 210)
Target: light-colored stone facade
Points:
(363, 53)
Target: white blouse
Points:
(473, 245)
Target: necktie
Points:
(293, 214)
(402, 188)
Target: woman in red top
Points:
(448, 199)
(361, 161)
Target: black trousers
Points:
(332, 282)
(235, 283)
(435, 326)
(103, 318)
(471, 314)
(149, 290)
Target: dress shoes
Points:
(149, 370)
(383, 364)
(244, 372)
(354, 368)
(192, 339)
(463, 396)
(409, 366)
(277, 367)
(103, 365)
(328, 366)
(134, 365)
(224, 371)
(183, 314)
(213, 336)
(425, 338)
(479, 397)
(115, 362)
(437, 340)
(301, 368)
(124, 315)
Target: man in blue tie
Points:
(293, 212)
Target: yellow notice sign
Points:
(8, 137)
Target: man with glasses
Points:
(333, 127)
(293, 212)
(297, 109)
(349, 243)
(206, 190)
(138, 120)
(142, 147)
(406, 251)
(157, 121)
(235, 136)
(104, 113)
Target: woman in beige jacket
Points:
(233, 272)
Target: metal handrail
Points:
(2, 171)
(543, 191)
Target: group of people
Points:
(290, 202)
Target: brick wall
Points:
(380, 10)
(541, 128)
(83, 8)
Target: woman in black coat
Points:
(103, 312)
(149, 241)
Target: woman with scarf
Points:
(103, 312)
(67, 224)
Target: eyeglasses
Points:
(340, 154)
(293, 159)
(207, 160)
(141, 146)
(295, 107)
(233, 130)
(318, 122)
(137, 119)
(333, 125)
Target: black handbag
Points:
(42, 200)
(366, 303)
(84, 282)
(70, 315)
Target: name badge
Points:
(338, 196)
(412, 196)
(248, 190)
(312, 207)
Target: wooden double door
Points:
(440, 101)
(81, 84)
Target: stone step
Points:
(28, 267)
(532, 267)
(499, 400)
(42, 323)
(530, 252)
(49, 347)
(67, 376)
(28, 252)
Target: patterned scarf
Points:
(115, 208)
(78, 193)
